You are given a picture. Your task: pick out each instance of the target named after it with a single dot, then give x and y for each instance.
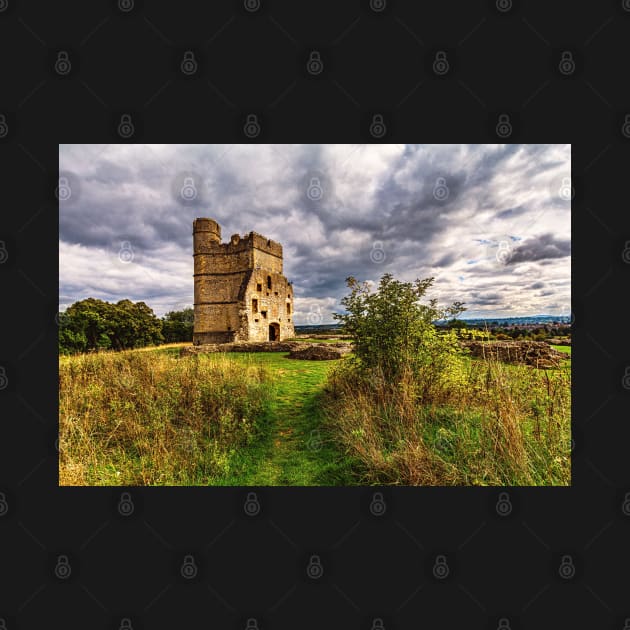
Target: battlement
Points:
(238, 243)
(265, 244)
(207, 233)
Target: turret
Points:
(205, 232)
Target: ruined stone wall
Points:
(267, 254)
(228, 276)
(535, 353)
(270, 301)
(267, 261)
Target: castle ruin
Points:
(240, 292)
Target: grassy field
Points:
(566, 349)
(147, 417)
(296, 449)
(491, 423)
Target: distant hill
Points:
(317, 328)
(518, 321)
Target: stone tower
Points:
(240, 292)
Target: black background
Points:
(374, 62)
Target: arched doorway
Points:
(274, 332)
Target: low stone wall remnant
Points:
(265, 346)
(535, 353)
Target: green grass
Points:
(149, 417)
(566, 349)
(295, 449)
(490, 423)
(146, 417)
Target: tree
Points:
(178, 325)
(93, 324)
(456, 323)
(393, 331)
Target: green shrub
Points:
(393, 332)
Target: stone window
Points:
(256, 320)
(288, 309)
(259, 287)
(275, 293)
(254, 305)
(264, 314)
(269, 282)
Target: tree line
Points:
(93, 324)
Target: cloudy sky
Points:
(490, 222)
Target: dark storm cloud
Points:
(485, 299)
(485, 302)
(511, 212)
(446, 260)
(413, 210)
(542, 247)
(491, 161)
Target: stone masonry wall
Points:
(272, 301)
(228, 277)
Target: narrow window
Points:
(288, 309)
(264, 314)
(259, 287)
(254, 305)
(269, 282)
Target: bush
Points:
(412, 409)
(393, 333)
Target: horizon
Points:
(559, 316)
(333, 322)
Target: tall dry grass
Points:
(148, 418)
(483, 423)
